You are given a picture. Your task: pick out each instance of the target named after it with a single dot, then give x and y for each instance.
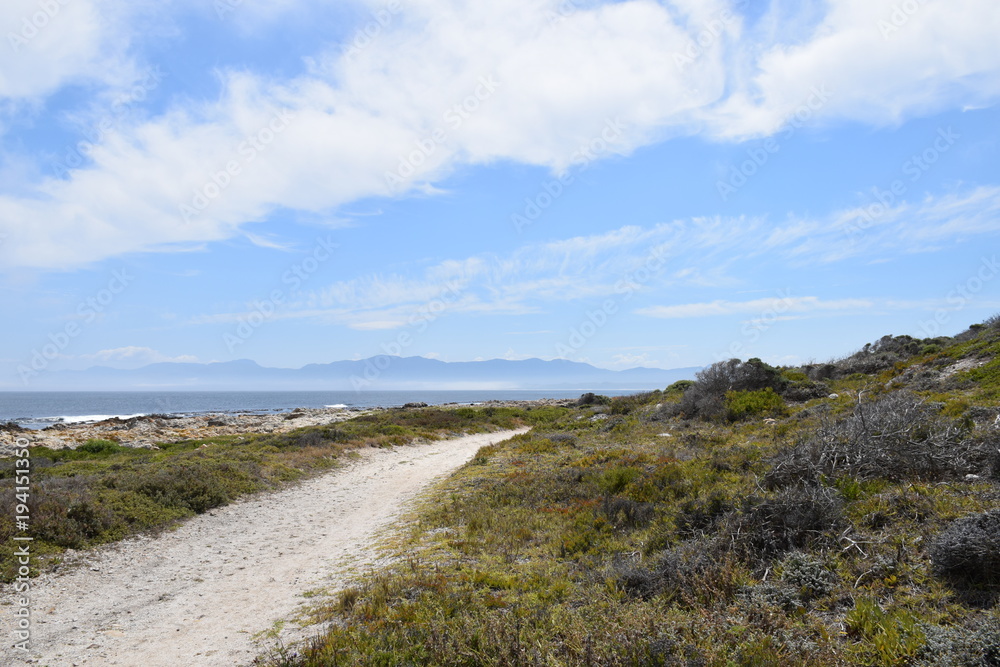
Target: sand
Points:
(202, 595)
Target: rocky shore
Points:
(146, 431)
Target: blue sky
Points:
(630, 183)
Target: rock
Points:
(12, 427)
(414, 405)
(833, 396)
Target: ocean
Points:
(39, 409)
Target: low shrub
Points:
(615, 480)
(627, 514)
(742, 405)
(967, 552)
(100, 447)
(701, 515)
(801, 517)
(591, 398)
(894, 437)
(635, 580)
(64, 512)
(881, 355)
(805, 390)
(807, 575)
(194, 488)
(626, 405)
(977, 646)
(697, 572)
(679, 387)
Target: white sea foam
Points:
(86, 419)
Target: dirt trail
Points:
(199, 595)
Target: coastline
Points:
(145, 431)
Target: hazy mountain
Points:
(376, 373)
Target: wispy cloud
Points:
(133, 356)
(263, 242)
(588, 268)
(805, 304)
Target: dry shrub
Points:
(801, 517)
(896, 437)
(625, 513)
(975, 646)
(967, 552)
(697, 572)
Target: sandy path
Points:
(198, 595)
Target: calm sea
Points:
(41, 409)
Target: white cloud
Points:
(48, 44)
(133, 357)
(512, 355)
(528, 89)
(627, 360)
(804, 304)
(46, 47)
(882, 64)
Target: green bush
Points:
(741, 405)
(707, 397)
(614, 480)
(65, 513)
(100, 447)
(626, 405)
(679, 387)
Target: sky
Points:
(629, 183)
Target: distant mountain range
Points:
(377, 373)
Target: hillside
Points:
(377, 373)
(840, 513)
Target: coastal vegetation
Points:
(834, 513)
(839, 513)
(101, 492)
